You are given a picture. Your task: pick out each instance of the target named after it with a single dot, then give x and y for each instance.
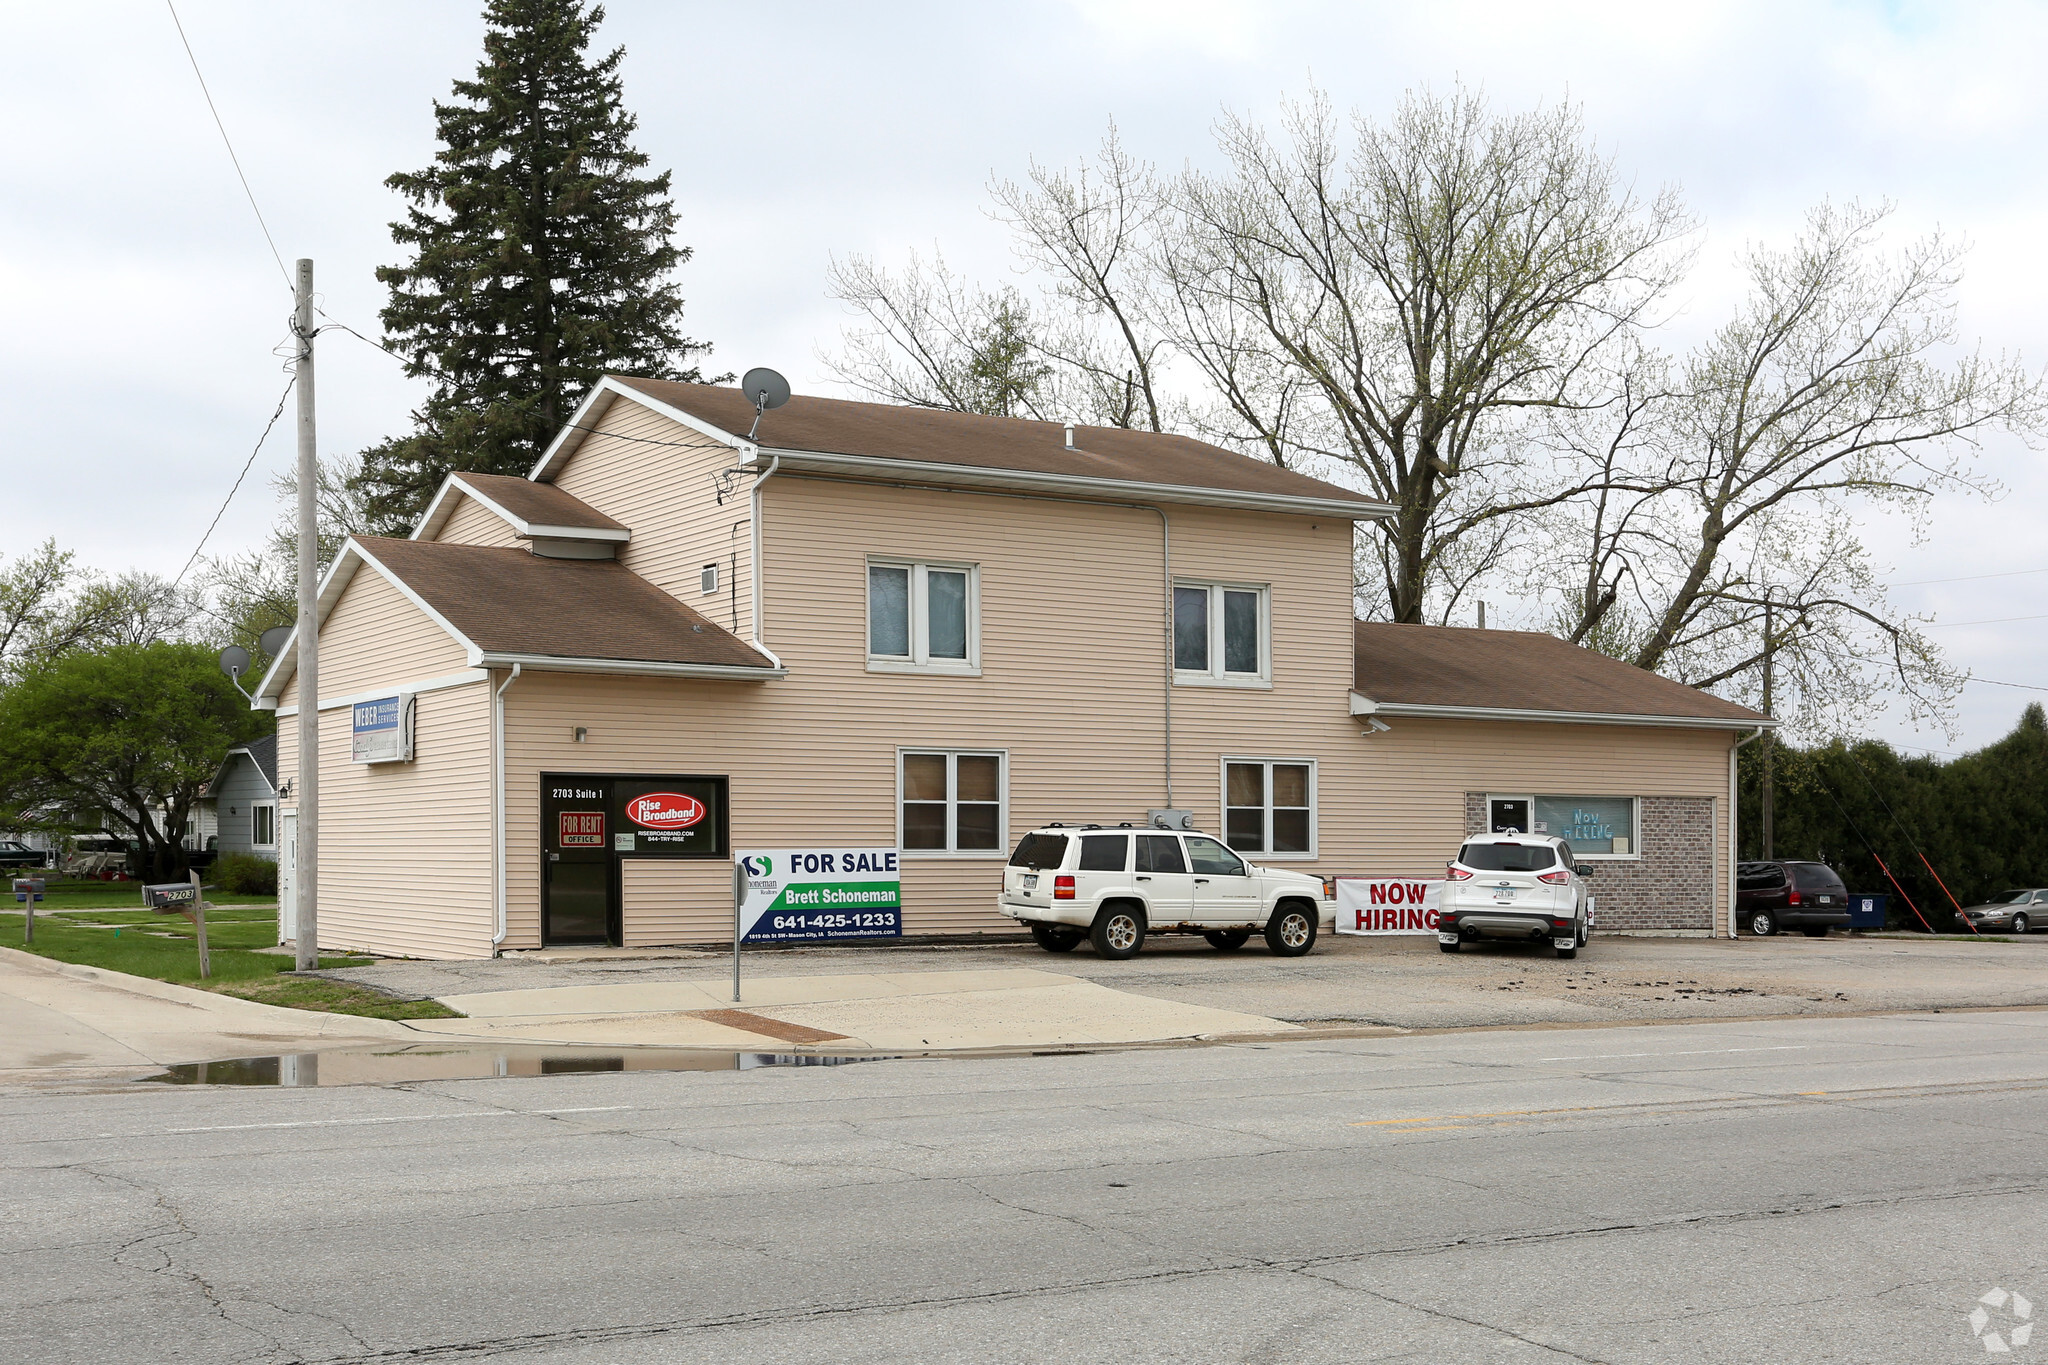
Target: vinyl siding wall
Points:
(472, 523)
(663, 494)
(405, 848)
(239, 791)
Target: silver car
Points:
(2017, 911)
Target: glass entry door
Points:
(579, 901)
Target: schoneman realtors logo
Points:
(822, 893)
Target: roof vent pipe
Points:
(1070, 436)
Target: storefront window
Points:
(952, 802)
(1595, 826)
(1269, 807)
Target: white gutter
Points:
(1080, 486)
(1734, 810)
(557, 663)
(1362, 705)
(755, 574)
(498, 807)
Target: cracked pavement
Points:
(1784, 1191)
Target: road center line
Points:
(1697, 1052)
(403, 1118)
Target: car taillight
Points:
(1792, 899)
(1062, 888)
(1562, 923)
(1557, 878)
(1456, 873)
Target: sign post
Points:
(182, 898)
(809, 895)
(28, 890)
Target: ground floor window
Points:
(951, 801)
(1594, 826)
(263, 824)
(1269, 805)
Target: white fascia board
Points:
(536, 531)
(438, 511)
(557, 663)
(593, 408)
(440, 684)
(1362, 705)
(352, 556)
(455, 485)
(1075, 486)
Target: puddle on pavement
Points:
(462, 1064)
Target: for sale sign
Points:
(1387, 905)
(819, 893)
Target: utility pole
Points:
(1770, 737)
(305, 878)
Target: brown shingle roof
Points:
(891, 431)
(539, 504)
(1518, 670)
(507, 601)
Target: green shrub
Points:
(243, 875)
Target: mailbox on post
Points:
(182, 898)
(28, 891)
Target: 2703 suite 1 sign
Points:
(792, 894)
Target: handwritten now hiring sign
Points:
(1387, 905)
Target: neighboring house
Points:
(240, 804)
(878, 626)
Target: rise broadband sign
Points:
(1387, 905)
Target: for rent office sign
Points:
(790, 894)
(1387, 905)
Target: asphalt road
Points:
(1797, 1190)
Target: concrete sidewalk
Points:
(61, 1019)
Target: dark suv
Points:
(1782, 895)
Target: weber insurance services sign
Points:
(382, 730)
(817, 893)
(1387, 905)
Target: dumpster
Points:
(1866, 911)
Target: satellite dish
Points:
(273, 640)
(765, 389)
(234, 661)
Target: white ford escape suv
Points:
(1112, 886)
(1515, 886)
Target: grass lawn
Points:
(114, 896)
(162, 947)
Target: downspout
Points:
(775, 463)
(1734, 853)
(498, 806)
(1166, 565)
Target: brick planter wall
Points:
(1670, 887)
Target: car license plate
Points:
(1825, 900)
(1031, 881)
(1504, 893)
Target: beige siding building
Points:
(881, 627)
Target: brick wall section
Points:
(1670, 887)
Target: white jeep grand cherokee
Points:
(1112, 886)
(1515, 886)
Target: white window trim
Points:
(1214, 676)
(254, 806)
(1635, 854)
(1315, 809)
(920, 660)
(1001, 851)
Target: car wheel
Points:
(2019, 924)
(1227, 940)
(1292, 930)
(1055, 938)
(1763, 923)
(1119, 931)
(1819, 931)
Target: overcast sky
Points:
(142, 305)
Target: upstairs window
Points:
(923, 617)
(1220, 634)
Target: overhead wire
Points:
(247, 464)
(1871, 849)
(226, 141)
(1911, 842)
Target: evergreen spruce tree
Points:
(542, 258)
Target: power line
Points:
(1994, 621)
(1967, 578)
(2031, 687)
(275, 254)
(246, 465)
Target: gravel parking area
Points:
(1397, 982)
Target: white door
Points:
(1225, 891)
(287, 878)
